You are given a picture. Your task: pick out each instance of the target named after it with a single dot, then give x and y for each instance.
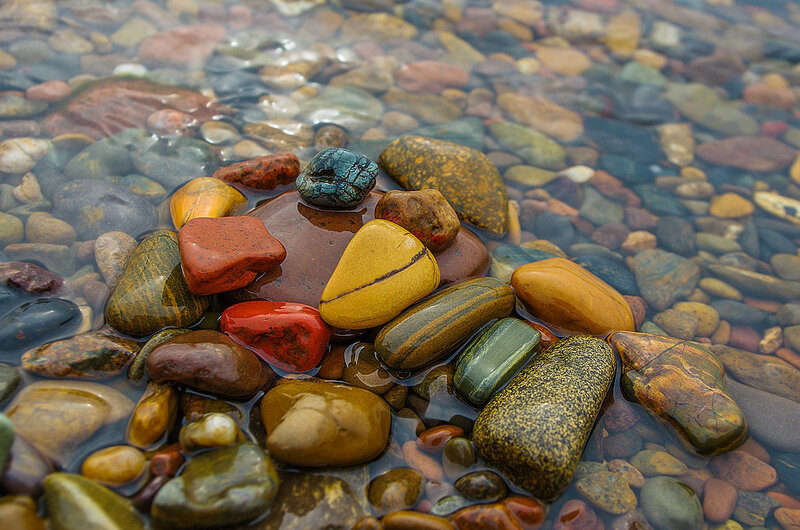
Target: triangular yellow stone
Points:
(383, 270)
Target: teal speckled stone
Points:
(534, 430)
(494, 357)
(337, 178)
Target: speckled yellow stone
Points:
(203, 197)
(535, 429)
(467, 178)
(383, 270)
(565, 294)
(730, 206)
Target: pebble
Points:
(93, 355)
(203, 197)
(435, 327)
(424, 213)
(11, 229)
(567, 295)
(383, 266)
(664, 277)
(42, 227)
(112, 250)
(707, 317)
(764, 372)
(322, 424)
(577, 515)
(208, 361)
(115, 465)
(239, 483)
(337, 178)
(719, 500)
(753, 508)
(397, 489)
(20, 155)
(148, 295)
(485, 486)
(227, 253)
(534, 147)
(78, 502)
(773, 420)
(213, 429)
(538, 458)
(38, 321)
(730, 206)
(291, 336)
(263, 173)
(668, 503)
(457, 456)
(458, 172)
(153, 417)
(744, 471)
(651, 463)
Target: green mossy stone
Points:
(151, 292)
(492, 358)
(536, 428)
(74, 501)
(436, 326)
(225, 486)
(9, 380)
(670, 505)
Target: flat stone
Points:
(93, 355)
(683, 385)
(78, 502)
(535, 429)
(467, 179)
(749, 153)
(744, 471)
(545, 115)
(756, 283)
(664, 277)
(324, 424)
(383, 270)
(773, 420)
(764, 372)
(226, 253)
(263, 173)
(566, 295)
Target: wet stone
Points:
(651, 462)
(664, 277)
(610, 272)
(753, 508)
(203, 197)
(424, 213)
(263, 173)
(30, 278)
(211, 430)
(9, 380)
(337, 177)
(398, 489)
(115, 465)
(94, 355)
(484, 486)
(608, 491)
(238, 483)
(78, 502)
(668, 503)
(38, 321)
(153, 416)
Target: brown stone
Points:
(424, 213)
(719, 500)
(750, 153)
(744, 471)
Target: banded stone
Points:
(151, 292)
(383, 270)
(534, 430)
(436, 326)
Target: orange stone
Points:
(566, 295)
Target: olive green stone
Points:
(436, 326)
(466, 177)
(151, 292)
(9, 380)
(398, 489)
(313, 502)
(6, 437)
(485, 486)
(535, 429)
(74, 501)
(670, 505)
(534, 147)
(650, 462)
(608, 491)
(458, 455)
(492, 358)
(225, 486)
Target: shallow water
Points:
(651, 93)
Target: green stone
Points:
(466, 177)
(636, 72)
(435, 327)
(74, 501)
(536, 428)
(651, 462)
(151, 292)
(702, 105)
(492, 358)
(226, 486)
(6, 437)
(670, 505)
(9, 380)
(608, 491)
(534, 147)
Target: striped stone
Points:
(151, 293)
(436, 326)
(383, 270)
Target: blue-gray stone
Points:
(738, 313)
(610, 272)
(660, 202)
(337, 178)
(39, 321)
(788, 467)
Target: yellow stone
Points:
(115, 465)
(203, 197)
(383, 270)
(693, 173)
(730, 206)
(776, 204)
(707, 317)
(650, 58)
(545, 245)
(794, 171)
(623, 33)
(566, 295)
(565, 61)
(775, 81)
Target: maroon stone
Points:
(111, 106)
(30, 278)
(185, 47)
(263, 173)
(424, 213)
(751, 153)
(221, 254)
(315, 240)
(577, 515)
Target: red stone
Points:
(185, 47)
(773, 129)
(49, 91)
(744, 471)
(751, 153)
(548, 337)
(432, 440)
(109, 107)
(30, 278)
(167, 461)
(287, 335)
(577, 515)
(513, 513)
(719, 500)
(263, 173)
(529, 512)
(226, 253)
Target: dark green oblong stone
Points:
(151, 293)
(492, 358)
